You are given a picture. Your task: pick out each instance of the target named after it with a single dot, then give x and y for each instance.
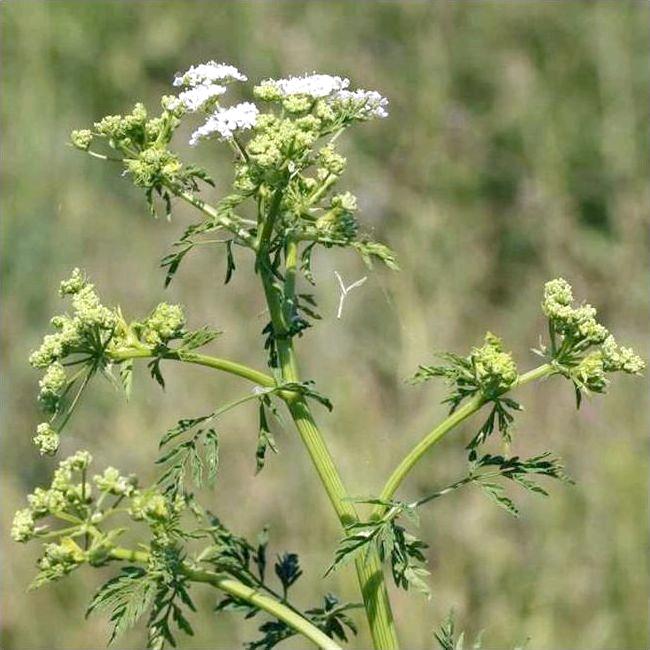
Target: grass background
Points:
(516, 151)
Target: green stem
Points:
(222, 219)
(369, 569)
(453, 420)
(268, 604)
(231, 367)
(240, 591)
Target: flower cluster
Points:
(487, 371)
(165, 323)
(112, 482)
(143, 143)
(208, 74)
(226, 121)
(46, 439)
(204, 84)
(581, 348)
(87, 334)
(494, 370)
(575, 324)
(95, 339)
(71, 499)
(90, 320)
(290, 152)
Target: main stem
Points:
(369, 569)
(243, 592)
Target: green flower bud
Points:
(62, 479)
(89, 312)
(46, 439)
(138, 114)
(51, 349)
(165, 323)
(308, 123)
(331, 161)
(153, 166)
(297, 103)
(81, 139)
(23, 528)
(79, 461)
(324, 111)
(74, 284)
(617, 358)
(113, 483)
(149, 505)
(268, 91)
(153, 128)
(111, 126)
(61, 559)
(494, 369)
(171, 104)
(558, 297)
(52, 383)
(590, 372)
(45, 502)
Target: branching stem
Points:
(240, 591)
(449, 423)
(231, 367)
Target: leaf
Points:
(351, 546)
(172, 261)
(165, 608)
(126, 377)
(182, 426)
(230, 262)
(287, 568)
(211, 450)
(198, 338)
(445, 635)
(305, 263)
(154, 368)
(265, 440)
(306, 388)
(332, 618)
(371, 250)
(497, 494)
(260, 552)
(128, 596)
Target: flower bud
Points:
(46, 439)
(22, 528)
(81, 139)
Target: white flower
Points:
(368, 103)
(225, 121)
(198, 97)
(314, 85)
(208, 73)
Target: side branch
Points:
(242, 592)
(220, 218)
(453, 420)
(230, 367)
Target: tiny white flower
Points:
(369, 103)
(225, 121)
(198, 97)
(314, 85)
(208, 73)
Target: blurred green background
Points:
(516, 151)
